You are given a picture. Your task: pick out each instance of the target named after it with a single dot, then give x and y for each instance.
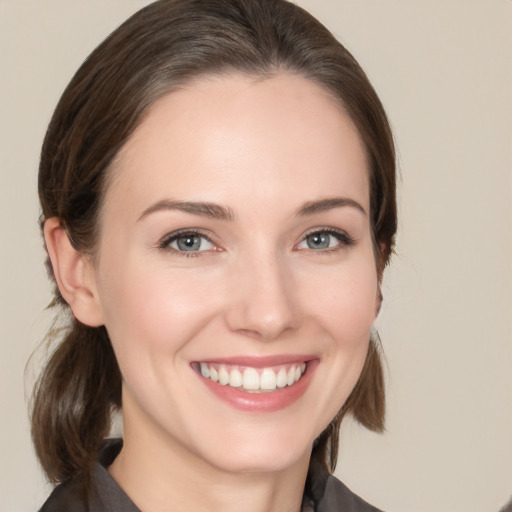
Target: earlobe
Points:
(73, 273)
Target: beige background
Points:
(443, 69)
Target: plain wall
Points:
(443, 69)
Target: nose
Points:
(263, 302)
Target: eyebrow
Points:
(204, 209)
(312, 207)
(216, 211)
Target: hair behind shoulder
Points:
(159, 49)
(73, 399)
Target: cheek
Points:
(346, 301)
(345, 304)
(148, 310)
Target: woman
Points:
(218, 203)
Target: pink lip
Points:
(262, 402)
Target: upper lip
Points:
(260, 361)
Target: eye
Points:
(189, 241)
(325, 239)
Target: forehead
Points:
(220, 131)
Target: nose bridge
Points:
(264, 302)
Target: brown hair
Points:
(160, 48)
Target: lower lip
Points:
(269, 401)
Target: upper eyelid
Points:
(341, 234)
(170, 237)
(326, 229)
(187, 231)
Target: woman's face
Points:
(235, 271)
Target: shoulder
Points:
(66, 497)
(98, 492)
(330, 495)
(338, 497)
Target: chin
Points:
(270, 453)
(262, 463)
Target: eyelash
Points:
(343, 238)
(164, 244)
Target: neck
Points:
(159, 475)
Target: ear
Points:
(73, 273)
(382, 258)
(378, 300)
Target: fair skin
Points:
(235, 233)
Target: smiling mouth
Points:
(253, 380)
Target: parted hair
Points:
(159, 49)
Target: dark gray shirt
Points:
(324, 492)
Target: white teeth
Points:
(250, 379)
(205, 371)
(235, 378)
(282, 378)
(223, 376)
(268, 379)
